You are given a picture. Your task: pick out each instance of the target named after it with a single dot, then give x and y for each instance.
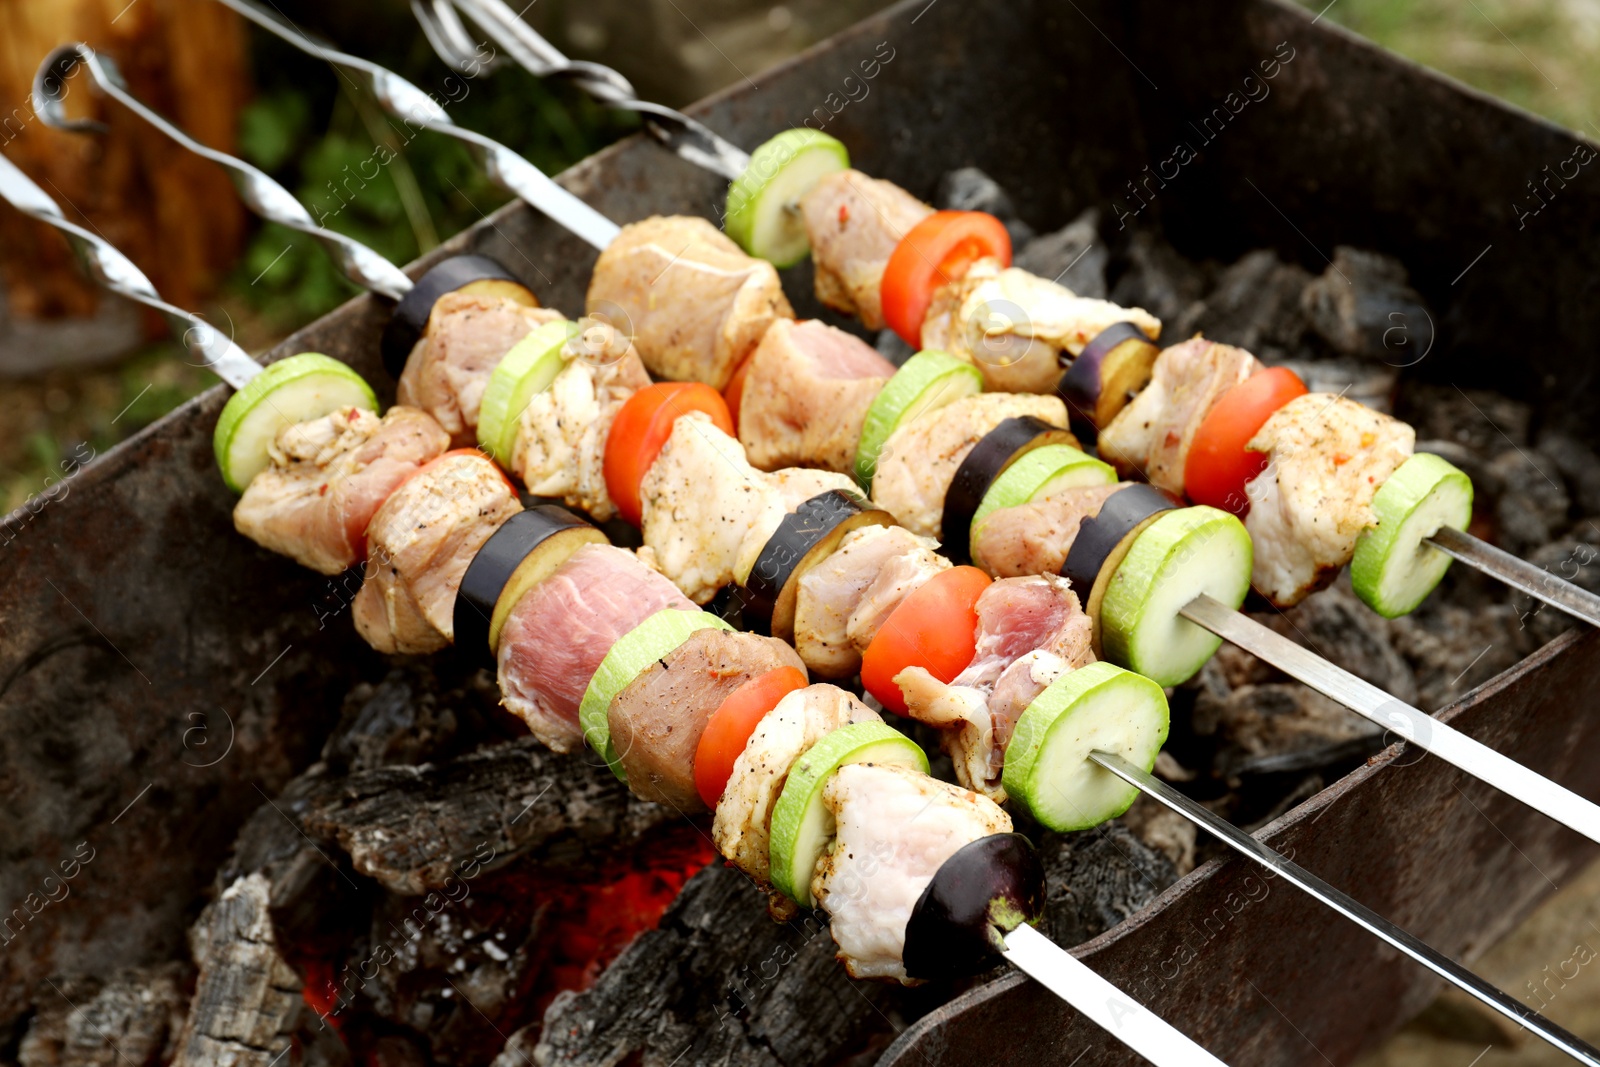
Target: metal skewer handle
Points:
(265, 197)
(417, 108)
(1101, 1002)
(116, 272)
(690, 139)
(1369, 920)
(1518, 573)
(1413, 724)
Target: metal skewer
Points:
(1537, 582)
(1413, 724)
(265, 197)
(417, 108)
(361, 264)
(1371, 921)
(690, 139)
(117, 273)
(1102, 1003)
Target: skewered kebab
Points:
(976, 892)
(945, 284)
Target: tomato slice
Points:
(641, 429)
(1219, 464)
(734, 393)
(730, 726)
(938, 250)
(936, 628)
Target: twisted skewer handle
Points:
(116, 272)
(416, 108)
(265, 197)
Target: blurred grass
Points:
(310, 132)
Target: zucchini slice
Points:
(802, 826)
(764, 202)
(635, 650)
(297, 389)
(1039, 475)
(994, 453)
(524, 551)
(1182, 554)
(469, 273)
(1115, 364)
(807, 535)
(1393, 570)
(522, 374)
(1099, 706)
(926, 382)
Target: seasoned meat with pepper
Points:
(657, 720)
(327, 479)
(854, 222)
(693, 302)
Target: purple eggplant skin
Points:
(985, 890)
(1084, 380)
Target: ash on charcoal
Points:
(132, 1018)
(1368, 383)
(970, 189)
(1164, 830)
(1152, 275)
(1363, 306)
(1481, 421)
(1073, 256)
(1255, 304)
(1578, 464)
(1098, 878)
(1531, 503)
(422, 710)
(1577, 561)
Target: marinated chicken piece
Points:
(1034, 538)
(707, 513)
(742, 828)
(806, 394)
(327, 479)
(894, 828)
(561, 436)
(555, 636)
(693, 302)
(449, 368)
(1015, 326)
(1327, 457)
(657, 720)
(833, 595)
(1150, 438)
(854, 222)
(1016, 617)
(920, 459)
(419, 545)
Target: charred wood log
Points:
(132, 1018)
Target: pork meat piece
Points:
(693, 302)
(555, 636)
(743, 824)
(1018, 328)
(419, 545)
(1150, 438)
(894, 828)
(835, 593)
(466, 337)
(657, 720)
(920, 458)
(1327, 456)
(1016, 617)
(707, 513)
(1034, 538)
(806, 394)
(561, 435)
(327, 479)
(854, 222)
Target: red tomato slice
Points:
(1219, 464)
(730, 726)
(936, 628)
(642, 427)
(938, 250)
(734, 393)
